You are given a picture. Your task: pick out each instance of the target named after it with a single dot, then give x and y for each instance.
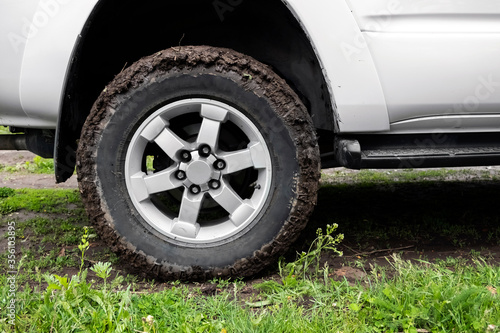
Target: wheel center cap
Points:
(199, 172)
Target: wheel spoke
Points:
(213, 116)
(238, 209)
(252, 157)
(162, 181)
(170, 143)
(237, 161)
(144, 185)
(186, 225)
(154, 129)
(167, 140)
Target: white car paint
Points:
(37, 54)
(393, 66)
(348, 66)
(437, 60)
(13, 22)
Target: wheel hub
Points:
(200, 171)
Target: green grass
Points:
(38, 165)
(428, 297)
(445, 295)
(40, 200)
(388, 177)
(47, 240)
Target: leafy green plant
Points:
(73, 304)
(102, 270)
(5, 206)
(40, 165)
(431, 297)
(299, 278)
(6, 192)
(84, 246)
(445, 295)
(311, 259)
(414, 297)
(76, 305)
(150, 163)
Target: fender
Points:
(47, 57)
(354, 84)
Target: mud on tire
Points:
(198, 162)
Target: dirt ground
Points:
(470, 201)
(25, 180)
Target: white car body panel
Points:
(466, 16)
(349, 69)
(438, 62)
(393, 66)
(458, 79)
(11, 30)
(46, 52)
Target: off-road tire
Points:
(204, 75)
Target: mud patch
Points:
(18, 181)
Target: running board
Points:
(395, 152)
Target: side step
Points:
(418, 151)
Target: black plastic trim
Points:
(418, 151)
(71, 118)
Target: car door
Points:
(437, 61)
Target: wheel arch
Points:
(115, 36)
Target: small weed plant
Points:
(302, 277)
(38, 165)
(308, 263)
(74, 304)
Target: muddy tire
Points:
(198, 162)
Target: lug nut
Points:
(185, 156)
(180, 175)
(219, 165)
(204, 150)
(195, 189)
(214, 184)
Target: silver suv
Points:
(198, 128)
